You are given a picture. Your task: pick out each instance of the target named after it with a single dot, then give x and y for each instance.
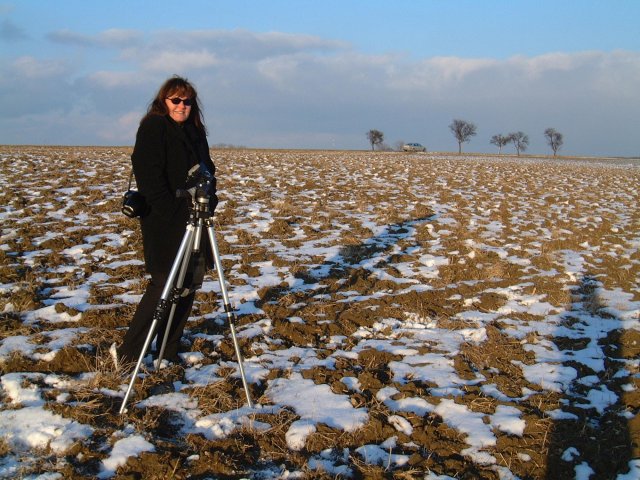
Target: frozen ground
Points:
(400, 316)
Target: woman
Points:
(171, 139)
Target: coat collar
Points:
(181, 131)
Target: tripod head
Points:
(200, 187)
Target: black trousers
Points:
(131, 347)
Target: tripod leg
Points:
(195, 243)
(182, 257)
(228, 310)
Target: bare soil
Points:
(273, 203)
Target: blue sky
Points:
(320, 74)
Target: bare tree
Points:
(376, 137)
(520, 141)
(554, 139)
(500, 141)
(463, 131)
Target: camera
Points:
(133, 204)
(200, 181)
(201, 188)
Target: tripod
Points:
(200, 217)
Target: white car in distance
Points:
(413, 147)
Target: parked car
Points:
(413, 147)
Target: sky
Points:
(309, 74)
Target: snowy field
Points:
(400, 316)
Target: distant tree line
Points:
(520, 140)
(225, 146)
(463, 131)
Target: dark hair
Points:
(182, 87)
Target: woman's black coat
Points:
(163, 154)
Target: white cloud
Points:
(453, 69)
(279, 70)
(177, 61)
(117, 37)
(266, 89)
(71, 37)
(32, 68)
(537, 66)
(111, 80)
(121, 130)
(113, 38)
(247, 45)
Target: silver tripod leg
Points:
(195, 243)
(178, 267)
(228, 309)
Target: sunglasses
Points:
(176, 101)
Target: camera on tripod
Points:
(200, 181)
(201, 187)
